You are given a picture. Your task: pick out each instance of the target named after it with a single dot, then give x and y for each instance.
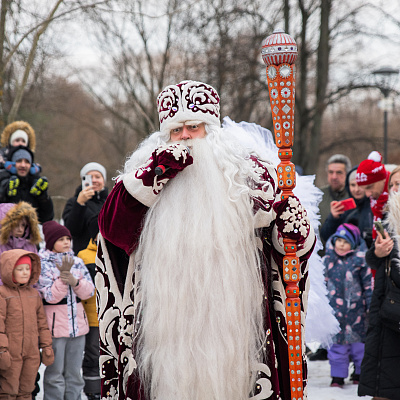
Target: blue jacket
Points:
(349, 283)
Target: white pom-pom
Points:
(375, 156)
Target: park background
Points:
(86, 73)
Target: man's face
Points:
(186, 132)
(374, 190)
(336, 176)
(22, 167)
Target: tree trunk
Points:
(322, 76)
(21, 87)
(286, 15)
(3, 13)
(302, 112)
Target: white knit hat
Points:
(19, 133)
(93, 166)
(187, 102)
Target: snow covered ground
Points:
(318, 384)
(319, 380)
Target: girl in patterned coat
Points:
(63, 283)
(349, 285)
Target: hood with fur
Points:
(12, 218)
(8, 260)
(14, 126)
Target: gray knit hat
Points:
(94, 166)
(21, 154)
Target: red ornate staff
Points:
(279, 52)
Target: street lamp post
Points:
(385, 79)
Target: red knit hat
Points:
(53, 231)
(24, 260)
(371, 170)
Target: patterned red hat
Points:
(371, 170)
(188, 102)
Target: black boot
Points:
(37, 388)
(337, 382)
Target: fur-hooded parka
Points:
(12, 218)
(14, 126)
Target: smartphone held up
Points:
(348, 204)
(380, 229)
(86, 181)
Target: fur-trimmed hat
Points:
(187, 102)
(15, 126)
(53, 231)
(371, 170)
(12, 218)
(348, 232)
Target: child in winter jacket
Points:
(15, 134)
(23, 325)
(349, 290)
(63, 283)
(19, 227)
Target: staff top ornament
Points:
(279, 48)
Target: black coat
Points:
(77, 218)
(380, 369)
(43, 203)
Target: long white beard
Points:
(200, 288)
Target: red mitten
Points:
(5, 359)
(173, 157)
(47, 356)
(291, 219)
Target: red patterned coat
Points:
(120, 223)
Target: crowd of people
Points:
(190, 287)
(361, 258)
(47, 296)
